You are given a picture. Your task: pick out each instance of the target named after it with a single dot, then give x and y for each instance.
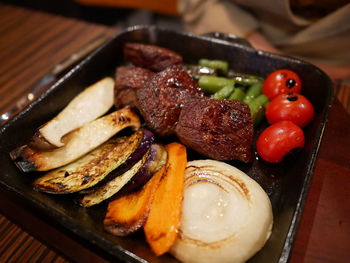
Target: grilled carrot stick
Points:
(163, 222)
(128, 213)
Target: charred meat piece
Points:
(161, 100)
(151, 57)
(127, 81)
(218, 129)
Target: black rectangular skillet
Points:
(286, 183)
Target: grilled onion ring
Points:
(227, 216)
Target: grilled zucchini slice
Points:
(113, 186)
(91, 168)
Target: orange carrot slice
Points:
(163, 222)
(128, 213)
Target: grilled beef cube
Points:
(127, 81)
(218, 129)
(161, 100)
(151, 57)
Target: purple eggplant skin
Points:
(156, 158)
(145, 144)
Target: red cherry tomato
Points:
(290, 107)
(281, 82)
(279, 139)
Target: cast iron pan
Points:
(285, 183)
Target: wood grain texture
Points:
(324, 231)
(18, 246)
(32, 42)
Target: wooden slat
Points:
(31, 43)
(343, 95)
(19, 246)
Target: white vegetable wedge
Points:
(91, 103)
(227, 216)
(77, 143)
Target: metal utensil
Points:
(48, 79)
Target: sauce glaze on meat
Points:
(172, 103)
(161, 100)
(219, 129)
(127, 81)
(151, 57)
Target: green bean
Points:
(257, 108)
(252, 92)
(219, 65)
(224, 93)
(245, 79)
(196, 71)
(237, 94)
(212, 84)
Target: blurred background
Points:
(124, 13)
(161, 13)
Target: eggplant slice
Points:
(113, 186)
(134, 178)
(91, 103)
(91, 168)
(156, 159)
(77, 143)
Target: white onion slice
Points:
(226, 216)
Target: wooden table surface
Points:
(32, 42)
